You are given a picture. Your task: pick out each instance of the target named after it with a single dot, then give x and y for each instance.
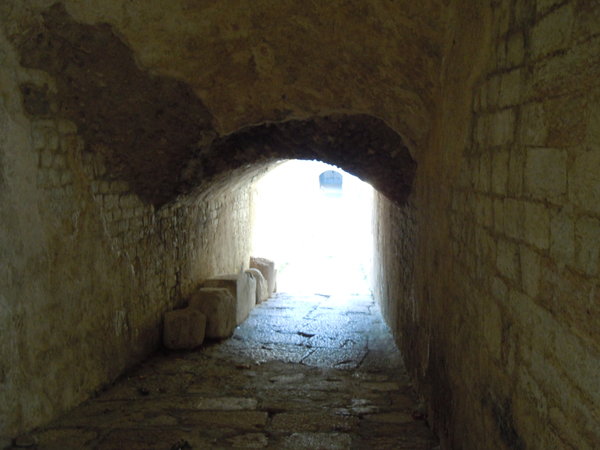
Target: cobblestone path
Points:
(311, 372)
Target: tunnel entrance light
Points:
(318, 234)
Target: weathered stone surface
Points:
(553, 32)
(184, 329)
(546, 172)
(76, 438)
(262, 288)
(243, 287)
(584, 184)
(339, 441)
(397, 417)
(229, 282)
(241, 420)
(246, 294)
(219, 306)
(311, 422)
(267, 268)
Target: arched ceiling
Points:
(156, 85)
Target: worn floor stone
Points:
(302, 372)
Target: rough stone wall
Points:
(490, 270)
(394, 256)
(87, 268)
(503, 339)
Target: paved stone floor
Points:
(312, 372)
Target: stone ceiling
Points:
(165, 89)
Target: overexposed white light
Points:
(321, 243)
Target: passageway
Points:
(132, 138)
(320, 241)
(305, 372)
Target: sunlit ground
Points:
(321, 243)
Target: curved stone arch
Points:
(156, 134)
(359, 144)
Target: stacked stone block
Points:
(243, 289)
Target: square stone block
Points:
(267, 268)
(219, 307)
(262, 288)
(184, 329)
(242, 287)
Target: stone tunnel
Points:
(132, 135)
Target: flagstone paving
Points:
(303, 372)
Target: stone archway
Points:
(156, 133)
(360, 144)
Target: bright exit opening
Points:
(314, 221)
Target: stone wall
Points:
(87, 269)
(501, 336)
(394, 257)
(488, 262)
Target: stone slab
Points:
(311, 421)
(318, 440)
(248, 440)
(228, 282)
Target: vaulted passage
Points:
(155, 134)
(132, 138)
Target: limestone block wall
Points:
(501, 333)
(86, 268)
